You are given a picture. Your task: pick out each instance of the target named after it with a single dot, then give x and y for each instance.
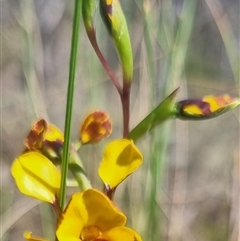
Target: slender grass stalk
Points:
(176, 45)
(69, 105)
(29, 28)
(179, 51)
(230, 42)
(176, 69)
(31, 78)
(226, 31)
(153, 231)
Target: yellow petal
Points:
(193, 110)
(222, 101)
(120, 234)
(36, 176)
(120, 159)
(89, 209)
(28, 236)
(70, 239)
(52, 142)
(52, 133)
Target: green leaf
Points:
(161, 113)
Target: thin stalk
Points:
(124, 92)
(31, 77)
(112, 76)
(226, 31)
(34, 98)
(176, 71)
(125, 99)
(69, 105)
(57, 208)
(153, 230)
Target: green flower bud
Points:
(88, 9)
(116, 25)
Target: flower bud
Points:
(88, 9)
(95, 127)
(116, 25)
(205, 108)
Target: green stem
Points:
(70, 94)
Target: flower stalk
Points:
(77, 169)
(88, 10)
(125, 99)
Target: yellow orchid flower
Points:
(120, 159)
(91, 216)
(46, 138)
(36, 176)
(95, 127)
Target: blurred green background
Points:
(188, 187)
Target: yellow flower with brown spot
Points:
(36, 176)
(95, 127)
(120, 159)
(91, 216)
(46, 138)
